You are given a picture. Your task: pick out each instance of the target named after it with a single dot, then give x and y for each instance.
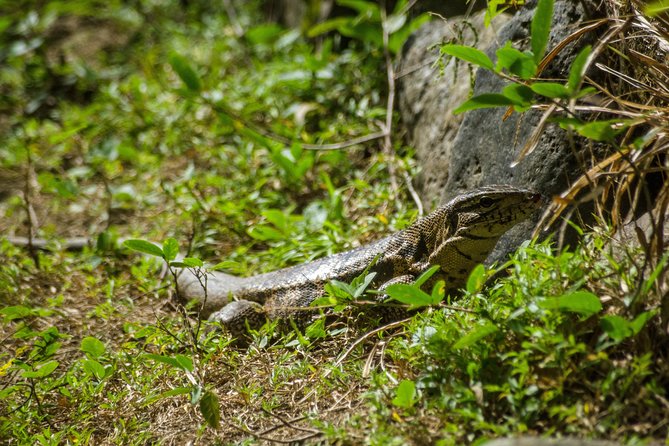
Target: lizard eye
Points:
(486, 202)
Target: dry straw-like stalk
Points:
(630, 65)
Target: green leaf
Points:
(316, 330)
(551, 90)
(327, 26)
(656, 8)
(360, 289)
(188, 262)
(184, 362)
(210, 409)
(581, 302)
(143, 246)
(363, 7)
(94, 368)
(409, 294)
(616, 327)
(476, 279)
(577, 70)
(601, 130)
(640, 321)
(93, 347)
(405, 395)
(187, 74)
(264, 232)
(16, 312)
(264, 34)
(486, 100)
(426, 275)
(515, 62)
(164, 359)
(170, 249)
(652, 278)
(468, 54)
(42, 370)
(438, 291)
(475, 335)
(521, 96)
(540, 29)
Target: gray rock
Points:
(455, 156)
(427, 98)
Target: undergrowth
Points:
(251, 144)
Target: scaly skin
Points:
(457, 236)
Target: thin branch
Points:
(289, 424)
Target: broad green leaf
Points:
(616, 327)
(476, 279)
(164, 359)
(42, 370)
(486, 100)
(640, 321)
(426, 275)
(577, 70)
(438, 292)
(94, 368)
(225, 264)
(93, 347)
(210, 409)
(184, 362)
(264, 34)
(475, 335)
(551, 90)
(143, 246)
(405, 395)
(191, 262)
(581, 302)
(521, 96)
(540, 29)
(316, 330)
(516, 62)
(468, 54)
(410, 295)
(346, 287)
(601, 130)
(170, 249)
(15, 312)
(264, 232)
(182, 67)
(360, 289)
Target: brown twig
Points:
(289, 425)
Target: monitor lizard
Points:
(457, 236)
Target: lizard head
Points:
(489, 212)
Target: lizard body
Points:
(456, 236)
